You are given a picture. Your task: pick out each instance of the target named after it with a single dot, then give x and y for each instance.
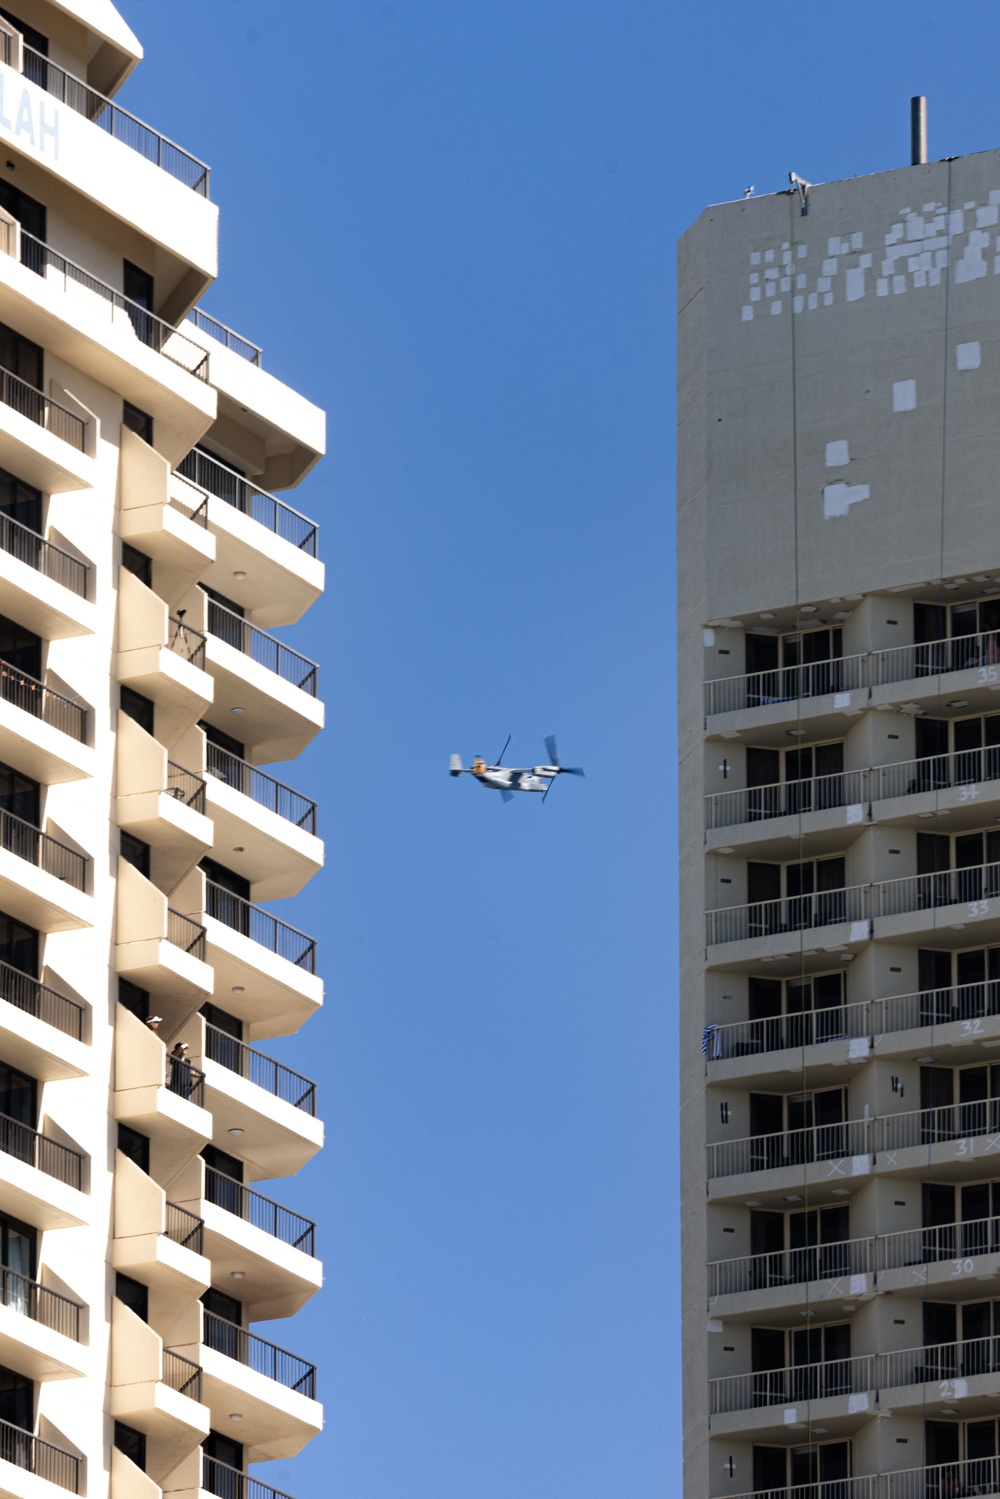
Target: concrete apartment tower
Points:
(839, 685)
(145, 1266)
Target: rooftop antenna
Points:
(800, 186)
(918, 130)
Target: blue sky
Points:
(452, 224)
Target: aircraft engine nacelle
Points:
(546, 770)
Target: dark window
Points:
(135, 852)
(137, 563)
(21, 502)
(229, 880)
(23, 358)
(18, 1095)
(134, 999)
(20, 648)
(18, 945)
(139, 708)
(223, 1335)
(225, 1187)
(223, 1021)
(224, 741)
(223, 1480)
(132, 1443)
(138, 285)
(19, 795)
(227, 1165)
(220, 598)
(134, 1145)
(34, 39)
(139, 422)
(228, 482)
(223, 618)
(30, 214)
(17, 1247)
(16, 1402)
(134, 1294)
(222, 1041)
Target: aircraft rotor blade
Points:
(499, 758)
(550, 750)
(505, 795)
(571, 770)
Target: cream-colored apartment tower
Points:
(839, 695)
(147, 1265)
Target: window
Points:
(795, 1012)
(219, 477)
(20, 502)
(224, 619)
(137, 286)
(34, 39)
(960, 1221)
(223, 1324)
(18, 946)
(223, 1467)
(135, 852)
(789, 1129)
(30, 214)
(134, 1294)
(141, 709)
(800, 1246)
(801, 664)
(959, 1101)
(227, 896)
(222, 1040)
(134, 999)
(783, 783)
(958, 867)
(777, 1467)
(19, 796)
(806, 1363)
(137, 421)
(134, 1145)
(132, 1443)
(20, 648)
(791, 897)
(958, 986)
(224, 1180)
(138, 564)
(24, 359)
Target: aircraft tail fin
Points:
(455, 769)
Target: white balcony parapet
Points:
(802, 1382)
(225, 336)
(273, 514)
(790, 913)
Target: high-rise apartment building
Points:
(839, 687)
(146, 1262)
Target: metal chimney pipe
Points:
(918, 130)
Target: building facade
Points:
(146, 1261)
(839, 691)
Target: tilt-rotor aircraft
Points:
(507, 780)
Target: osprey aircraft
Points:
(507, 780)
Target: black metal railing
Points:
(258, 1354)
(259, 1211)
(260, 926)
(117, 122)
(51, 1309)
(185, 1228)
(263, 648)
(274, 1078)
(27, 401)
(182, 1374)
(37, 1456)
(51, 561)
(35, 847)
(151, 330)
(185, 933)
(188, 499)
(42, 702)
(272, 513)
(229, 1483)
(186, 786)
(187, 642)
(35, 998)
(223, 335)
(290, 805)
(26, 1144)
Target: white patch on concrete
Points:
(858, 1048)
(859, 1285)
(860, 1165)
(855, 813)
(791, 1416)
(838, 498)
(860, 931)
(856, 1404)
(747, 314)
(968, 356)
(904, 395)
(837, 453)
(882, 287)
(708, 637)
(987, 216)
(854, 284)
(776, 307)
(842, 700)
(713, 1324)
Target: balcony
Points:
(42, 881)
(976, 1476)
(272, 1107)
(226, 337)
(260, 536)
(230, 1483)
(162, 1100)
(41, 1031)
(25, 1458)
(160, 948)
(160, 802)
(266, 968)
(165, 516)
(270, 688)
(274, 1390)
(797, 1148)
(162, 657)
(42, 586)
(42, 733)
(843, 913)
(154, 1389)
(40, 1330)
(802, 1384)
(840, 1488)
(272, 826)
(158, 1242)
(278, 434)
(41, 1180)
(42, 440)
(273, 1247)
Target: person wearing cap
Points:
(154, 1022)
(182, 1075)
